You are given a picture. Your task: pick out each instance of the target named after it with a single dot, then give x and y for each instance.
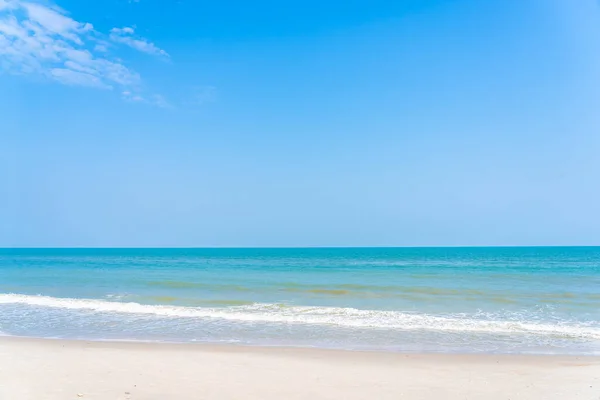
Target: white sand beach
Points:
(35, 369)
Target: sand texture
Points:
(32, 369)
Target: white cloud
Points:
(101, 47)
(126, 30)
(55, 22)
(71, 77)
(4, 4)
(156, 99)
(74, 66)
(125, 36)
(45, 40)
(136, 98)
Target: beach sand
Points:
(63, 370)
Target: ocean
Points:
(526, 300)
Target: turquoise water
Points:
(505, 300)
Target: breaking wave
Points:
(332, 316)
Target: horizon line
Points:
(284, 247)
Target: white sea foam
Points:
(343, 317)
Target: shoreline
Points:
(57, 369)
(261, 347)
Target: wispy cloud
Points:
(76, 78)
(127, 37)
(155, 99)
(160, 101)
(45, 40)
(102, 46)
(132, 97)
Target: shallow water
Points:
(507, 300)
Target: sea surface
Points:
(543, 300)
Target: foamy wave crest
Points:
(343, 317)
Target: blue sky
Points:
(356, 123)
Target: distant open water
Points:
(542, 300)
